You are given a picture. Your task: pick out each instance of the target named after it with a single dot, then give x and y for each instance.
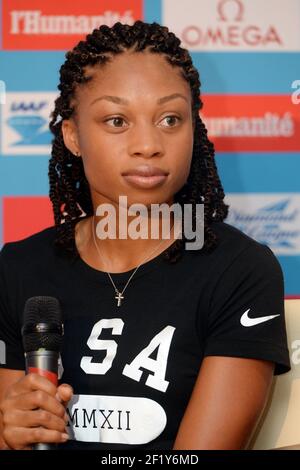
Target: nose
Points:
(145, 141)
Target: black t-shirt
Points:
(133, 367)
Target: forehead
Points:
(132, 74)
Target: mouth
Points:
(145, 176)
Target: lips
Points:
(145, 170)
(145, 176)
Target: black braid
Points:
(69, 188)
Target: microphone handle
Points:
(44, 363)
(42, 446)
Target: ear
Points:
(69, 131)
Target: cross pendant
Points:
(119, 297)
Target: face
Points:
(136, 111)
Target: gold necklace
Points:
(119, 295)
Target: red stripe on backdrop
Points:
(25, 215)
(252, 123)
(58, 25)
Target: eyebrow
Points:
(123, 101)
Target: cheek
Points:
(100, 149)
(92, 142)
(99, 153)
(181, 156)
(98, 166)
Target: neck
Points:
(117, 254)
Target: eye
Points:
(116, 120)
(171, 120)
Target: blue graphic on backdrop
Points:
(275, 224)
(25, 123)
(29, 127)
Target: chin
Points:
(147, 199)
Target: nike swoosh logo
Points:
(247, 321)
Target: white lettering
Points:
(162, 342)
(268, 125)
(16, 16)
(296, 93)
(296, 353)
(33, 22)
(96, 344)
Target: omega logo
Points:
(230, 9)
(231, 29)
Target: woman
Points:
(164, 347)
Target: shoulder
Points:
(241, 265)
(235, 255)
(231, 238)
(33, 247)
(236, 247)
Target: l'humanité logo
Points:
(252, 122)
(58, 25)
(271, 219)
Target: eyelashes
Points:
(173, 116)
(120, 120)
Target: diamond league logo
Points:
(270, 219)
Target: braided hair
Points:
(69, 189)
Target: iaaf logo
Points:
(270, 219)
(59, 25)
(24, 121)
(235, 24)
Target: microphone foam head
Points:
(42, 327)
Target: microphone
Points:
(42, 334)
